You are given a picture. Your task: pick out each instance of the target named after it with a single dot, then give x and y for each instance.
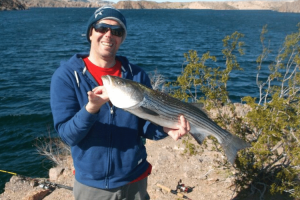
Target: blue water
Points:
(33, 43)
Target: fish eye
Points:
(120, 82)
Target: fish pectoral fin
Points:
(199, 137)
(148, 111)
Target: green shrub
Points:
(274, 159)
(272, 125)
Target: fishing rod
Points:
(56, 185)
(173, 191)
(42, 183)
(12, 173)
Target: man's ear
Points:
(90, 33)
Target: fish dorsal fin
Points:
(200, 106)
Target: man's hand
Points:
(97, 98)
(183, 128)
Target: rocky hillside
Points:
(11, 5)
(290, 7)
(227, 5)
(282, 6)
(61, 3)
(138, 5)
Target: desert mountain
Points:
(281, 6)
(11, 5)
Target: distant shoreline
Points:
(280, 6)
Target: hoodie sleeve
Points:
(153, 131)
(70, 120)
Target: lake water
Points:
(33, 43)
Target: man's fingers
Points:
(188, 127)
(90, 93)
(98, 90)
(182, 129)
(184, 125)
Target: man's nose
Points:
(108, 32)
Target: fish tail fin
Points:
(232, 146)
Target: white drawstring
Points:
(130, 69)
(123, 68)
(76, 76)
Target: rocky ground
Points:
(170, 165)
(200, 173)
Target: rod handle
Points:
(163, 187)
(169, 190)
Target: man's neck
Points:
(104, 63)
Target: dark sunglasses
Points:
(115, 29)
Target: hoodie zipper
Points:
(110, 146)
(112, 110)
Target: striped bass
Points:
(164, 110)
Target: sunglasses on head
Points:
(115, 29)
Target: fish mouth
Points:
(106, 80)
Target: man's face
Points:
(105, 45)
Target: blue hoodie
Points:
(106, 147)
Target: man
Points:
(108, 153)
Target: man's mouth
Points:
(107, 44)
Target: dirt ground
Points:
(200, 174)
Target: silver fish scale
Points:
(168, 107)
(165, 110)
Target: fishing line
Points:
(43, 183)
